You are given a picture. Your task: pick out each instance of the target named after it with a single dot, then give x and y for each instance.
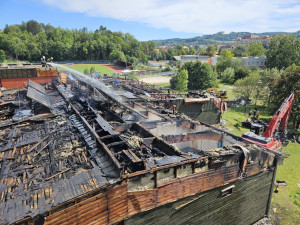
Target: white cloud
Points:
(194, 16)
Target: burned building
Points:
(91, 153)
(18, 75)
(200, 106)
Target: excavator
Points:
(277, 126)
(219, 94)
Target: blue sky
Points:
(158, 19)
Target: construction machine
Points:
(272, 137)
(219, 94)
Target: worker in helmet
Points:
(43, 61)
(257, 114)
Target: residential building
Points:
(247, 61)
(191, 58)
(248, 39)
(253, 61)
(225, 47)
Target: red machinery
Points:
(279, 120)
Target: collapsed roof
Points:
(98, 136)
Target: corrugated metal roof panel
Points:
(39, 97)
(37, 86)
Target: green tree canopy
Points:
(179, 82)
(288, 82)
(240, 73)
(248, 86)
(2, 56)
(117, 55)
(227, 53)
(225, 62)
(31, 40)
(211, 50)
(269, 78)
(256, 49)
(240, 50)
(200, 75)
(283, 51)
(227, 75)
(86, 71)
(92, 70)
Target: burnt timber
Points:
(91, 152)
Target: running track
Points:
(117, 69)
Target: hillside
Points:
(218, 38)
(31, 40)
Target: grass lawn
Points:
(234, 121)
(236, 115)
(286, 203)
(99, 68)
(164, 85)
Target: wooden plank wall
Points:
(117, 204)
(104, 208)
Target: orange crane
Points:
(277, 123)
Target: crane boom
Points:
(282, 114)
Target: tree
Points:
(288, 82)
(2, 56)
(86, 71)
(256, 49)
(173, 82)
(200, 75)
(92, 70)
(283, 52)
(225, 62)
(240, 73)
(33, 27)
(182, 80)
(192, 51)
(248, 86)
(31, 40)
(227, 53)
(211, 51)
(269, 78)
(227, 75)
(168, 68)
(144, 59)
(240, 50)
(117, 55)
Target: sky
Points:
(158, 19)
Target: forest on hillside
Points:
(31, 40)
(218, 38)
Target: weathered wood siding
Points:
(246, 204)
(119, 203)
(122, 202)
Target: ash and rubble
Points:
(72, 138)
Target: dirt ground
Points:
(117, 69)
(156, 79)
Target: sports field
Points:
(98, 67)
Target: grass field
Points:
(286, 203)
(233, 122)
(99, 68)
(164, 85)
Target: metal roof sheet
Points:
(38, 96)
(37, 86)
